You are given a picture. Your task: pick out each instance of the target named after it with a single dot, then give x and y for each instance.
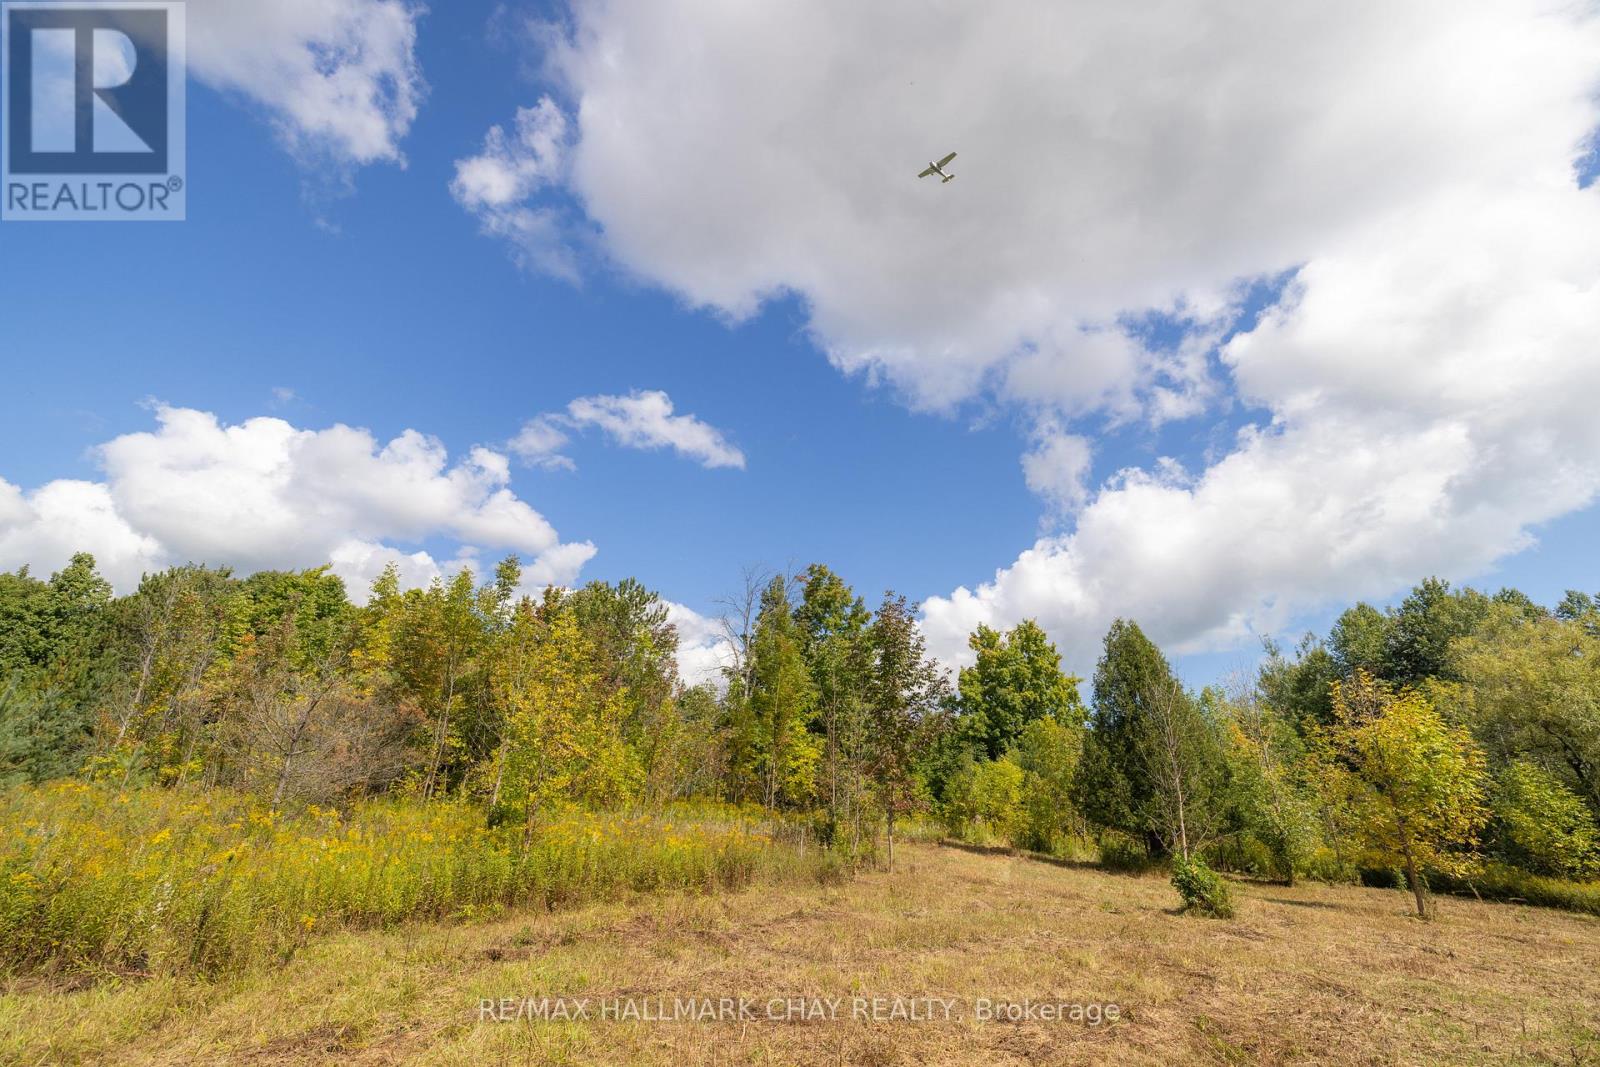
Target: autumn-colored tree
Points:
(295, 729)
(563, 727)
(1415, 782)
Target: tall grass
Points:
(1498, 882)
(158, 881)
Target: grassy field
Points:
(1310, 974)
(97, 882)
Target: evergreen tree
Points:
(1150, 763)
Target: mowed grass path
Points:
(1310, 974)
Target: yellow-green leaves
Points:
(1415, 783)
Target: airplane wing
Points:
(925, 173)
(945, 162)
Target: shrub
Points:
(1326, 864)
(984, 800)
(1542, 826)
(1047, 752)
(997, 797)
(1499, 882)
(1119, 852)
(1202, 889)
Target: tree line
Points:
(1453, 738)
(277, 684)
(1427, 739)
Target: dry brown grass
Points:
(1310, 974)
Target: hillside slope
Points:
(1311, 974)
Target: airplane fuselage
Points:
(937, 167)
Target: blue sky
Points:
(384, 307)
(398, 315)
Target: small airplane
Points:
(938, 168)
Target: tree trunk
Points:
(499, 774)
(442, 735)
(1412, 874)
(1183, 829)
(283, 781)
(293, 748)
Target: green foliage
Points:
(433, 640)
(1119, 852)
(1542, 826)
(1048, 753)
(986, 802)
(315, 600)
(170, 640)
(635, 648)
(681, 756)
(834, 623)
(1152, 764)
(1581, 608)
(1268, 804)
(782, 702)
(1359, 639)
(1412, 643)
(997, 797)
(905, 694)
(1112, 787)
(1016, 680)
(42, 621)
(46, 722)
(1424, 626)
(276, 686)
(1298, 689)
(1531, 692)
(1499, 882)
(562, 737)
(53, 668)
(1203, 890)
(1414, 783)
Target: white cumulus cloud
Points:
(643, 419)
(339, 79)
(1433, 380)
(264, 494)
(1424, 386)
(1057, 468)
(703, 646)
(497, 184)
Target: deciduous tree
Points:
(1416, 782)
(1016, 679)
